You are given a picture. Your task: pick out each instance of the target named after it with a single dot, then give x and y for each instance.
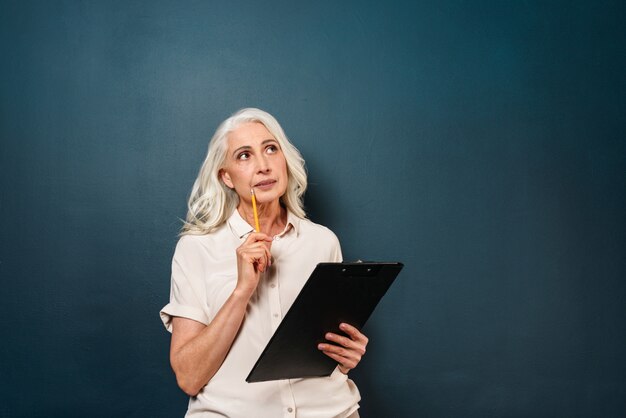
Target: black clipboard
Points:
(334, 293)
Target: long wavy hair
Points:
(212, 202)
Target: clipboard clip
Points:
(360, 268)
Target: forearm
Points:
(196, 361)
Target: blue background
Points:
(482, 143)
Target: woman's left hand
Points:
(345, 351)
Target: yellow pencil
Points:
(257, 228)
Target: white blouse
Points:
(204, 274)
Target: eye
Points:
(271, 149)
(243, 156)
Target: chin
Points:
(269, 198)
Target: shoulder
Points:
(191, 242)
(320, 240)
(190, 245)
(310, 229)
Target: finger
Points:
(254, 252)
(345, 353)
(268, 254)
(256, 237)
(346, 342)
(264, 261)
(257, 246)
(345, 364)
(348, 356)
(256, 256)
(353, 332)
(262, 256)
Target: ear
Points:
(226, 179)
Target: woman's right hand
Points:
(197, 350)
(253, 258)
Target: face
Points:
(255, 159)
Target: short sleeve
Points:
(335, 249)
(187, 292)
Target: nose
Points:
(263, 165)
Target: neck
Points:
(272, 216)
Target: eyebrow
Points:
(248, 147)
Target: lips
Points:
(265, 183)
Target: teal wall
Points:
(482, 143)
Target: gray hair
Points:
(212, 202)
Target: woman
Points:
(231, 285)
